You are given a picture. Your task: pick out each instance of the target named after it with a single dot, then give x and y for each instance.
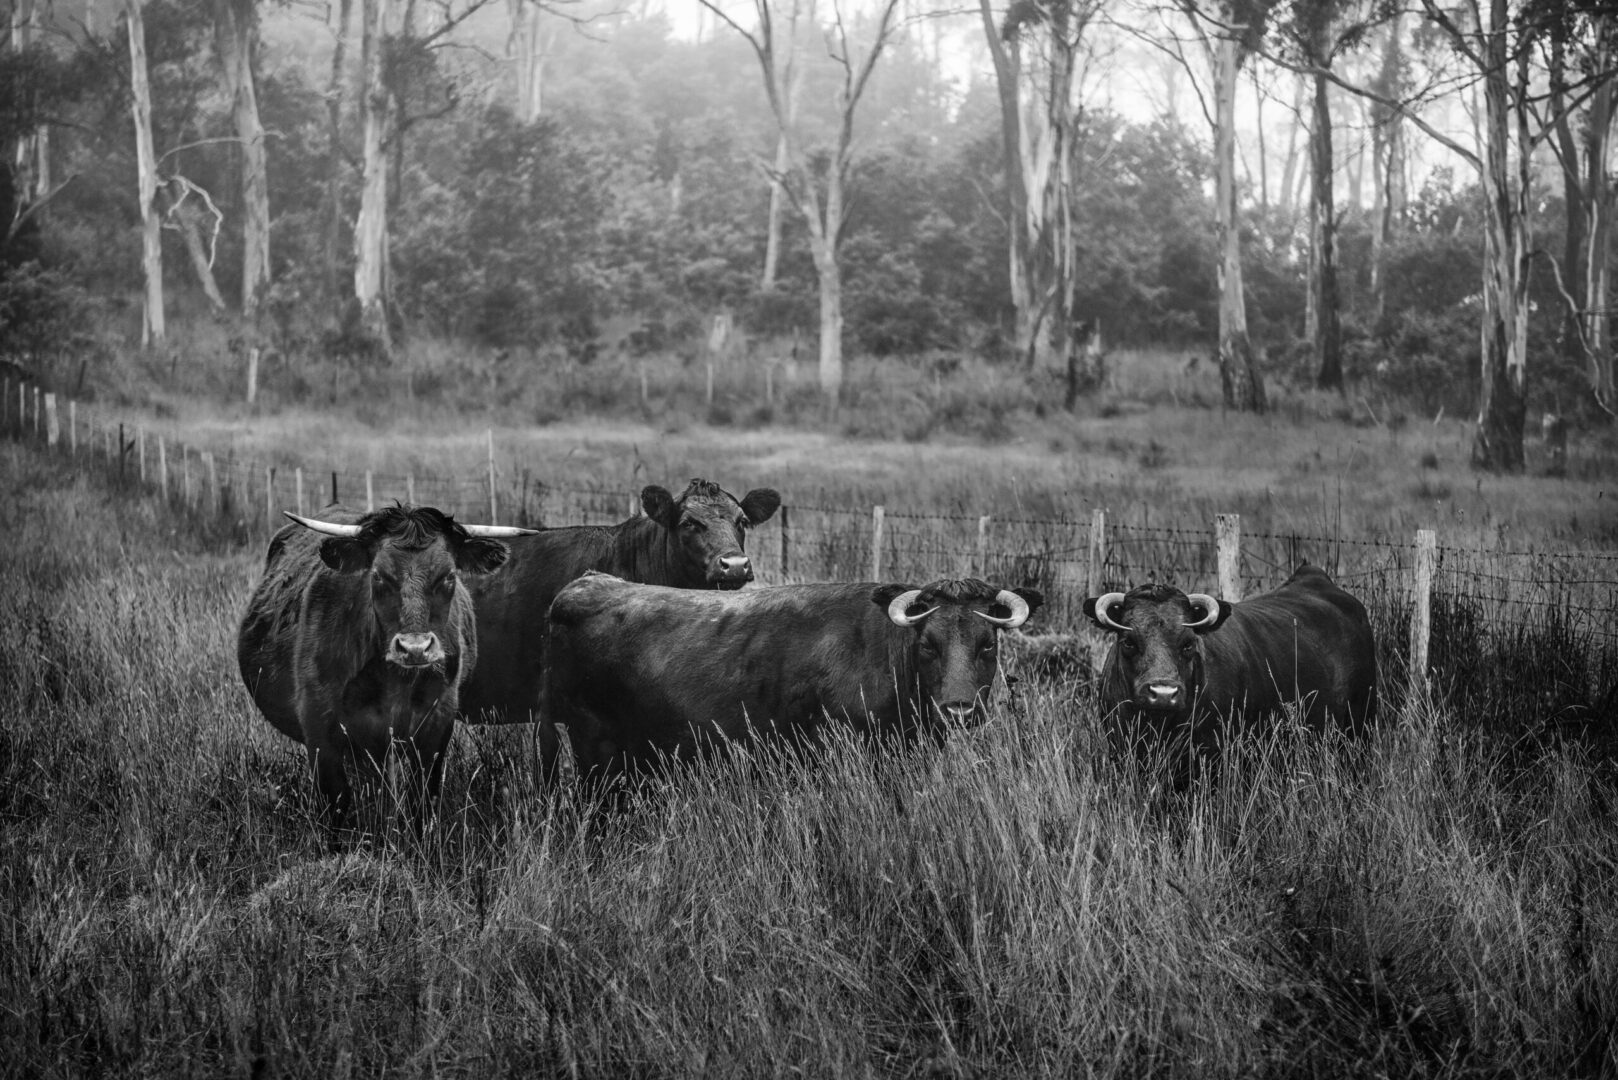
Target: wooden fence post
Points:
(5, 400)
(983, 546)
(878, 516)
(140, 449)
(494, 515)
(269, 498)
(786, 542)
(297, 489)
(370, 492)
(1228, 535)
(162, 469)
(410, 488)
(334, 497)
(213, 483)
(645, 396)
(769, 384)
(22, 409)
(252, 374)
(73, 427)
(39, 417)
(1098, 553)
(185, 474)
(1421, 609)
(53, 429)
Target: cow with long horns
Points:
(637, 671)
(1183, 666)
(360, 634)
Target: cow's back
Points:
(636, 670)
(1307, 640)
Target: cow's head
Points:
(957, 648)
(1159, 632)
(707, 528)
(414, 556)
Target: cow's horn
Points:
(498, 532)
(1206, 603)
(902, 602)
(1103, 603)
(330, 528)
(1017, 605)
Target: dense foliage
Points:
(634, 208)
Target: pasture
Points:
(1438, 902)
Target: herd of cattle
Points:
(370, 634)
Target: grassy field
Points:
(1438, 902)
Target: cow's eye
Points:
(447, 583)
(692, 525)
(1189, 647)
(1128, 646)
(988, 650)
(928, 648)
(384, 581)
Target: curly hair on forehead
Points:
(410, 527)
(704, 489)
(1154, 592)
(959, 591)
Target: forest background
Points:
(468, 200)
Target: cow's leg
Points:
(331, 782)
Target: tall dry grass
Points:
(1436, 902)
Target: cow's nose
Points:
(415, 649)
(1161, 695)
(958, 712)
(734, 567)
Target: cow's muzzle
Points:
(730, 571)
(1160, 697)
(415, 650)
(963, 713)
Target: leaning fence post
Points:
(878, 515)
(786, 542)
(1098, 553)
(983, 545)
(1228, 535)
(1421, 608)
(493, 515)
(53, 429)
(269, 498)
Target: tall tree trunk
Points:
(153, 328)
(1387, 155)
(235, 38)
(1289, 167)
(526, 44)
(1007, 59)
(1497, 444)
(831, 320)
(334, 160)
(1598, 206)
(371, 228)
(772, 236)
(31, 159)
(1239, 377)
(1328, 339)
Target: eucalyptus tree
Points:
(235, 43)
(153, 325)
(1228, 32)
(819, 191)
(1036, 46)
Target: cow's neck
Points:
(643, 550)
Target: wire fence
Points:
(1530, 624)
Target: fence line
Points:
(1412, 588)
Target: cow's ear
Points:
(883, 595)
(1090, 609)
(1199, 611)
(760, 505)
(1034, 598)
(345, 554)
(480, 555)
(659, 505)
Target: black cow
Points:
(360, 635)
(636, 671)
(696, 541)
(1180, 664)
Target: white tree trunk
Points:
(153, 329)
(235, 32)
(1239, 377)
(371, 227)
